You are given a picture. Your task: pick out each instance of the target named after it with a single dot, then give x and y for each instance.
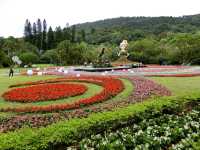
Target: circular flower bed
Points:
(44, 92)
(144, 89)
(112, 86)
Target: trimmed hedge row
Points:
(196, 145)
(153, 130)
(66, 132)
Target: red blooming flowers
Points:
(44, 92)
(112, 86)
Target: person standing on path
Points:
(11, 72)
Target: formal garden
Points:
(78, 110)
(114, 84)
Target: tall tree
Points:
(73, 34)
(39, 34)
(50, 39)
(34, 34)
(58, 34)
(83, 36)
(30, 35)
(93, 30)
(28, 31)
(44, 35)
(67, 33)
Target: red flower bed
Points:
(44, 92)
(112, 86)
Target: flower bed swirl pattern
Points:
(44, 92)
(112, 86)
(144, 88)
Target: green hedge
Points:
(196, 145)
(66, 132)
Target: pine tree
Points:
(34, 34)
(50, 39)
(44, 35)
(28, 31)
(93, 30)
(58, 34)
(39, 34)
(30, 35)
(83, 36)
(73, 34)
(67, 33)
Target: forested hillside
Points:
(133, 28)
(144, 23)
(164, 40)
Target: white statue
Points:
(16, 60)
(123, 46)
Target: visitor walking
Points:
(11, 72)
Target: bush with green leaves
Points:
(29, 58)
(157, 130)
(5, 61)
(50, 57)
(68, 53)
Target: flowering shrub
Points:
(155, 131)
(112, 86)
(44, 92)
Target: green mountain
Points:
(133, 28)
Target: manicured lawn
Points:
(4, 71)
(179, 85)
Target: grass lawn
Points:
(17, 70)
(179, 85)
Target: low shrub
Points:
(29, 58)
(156, 130)
(67, 132)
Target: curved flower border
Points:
(44, 92)
(112, 86)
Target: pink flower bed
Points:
(145, 88)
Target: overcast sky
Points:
(13, 13)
